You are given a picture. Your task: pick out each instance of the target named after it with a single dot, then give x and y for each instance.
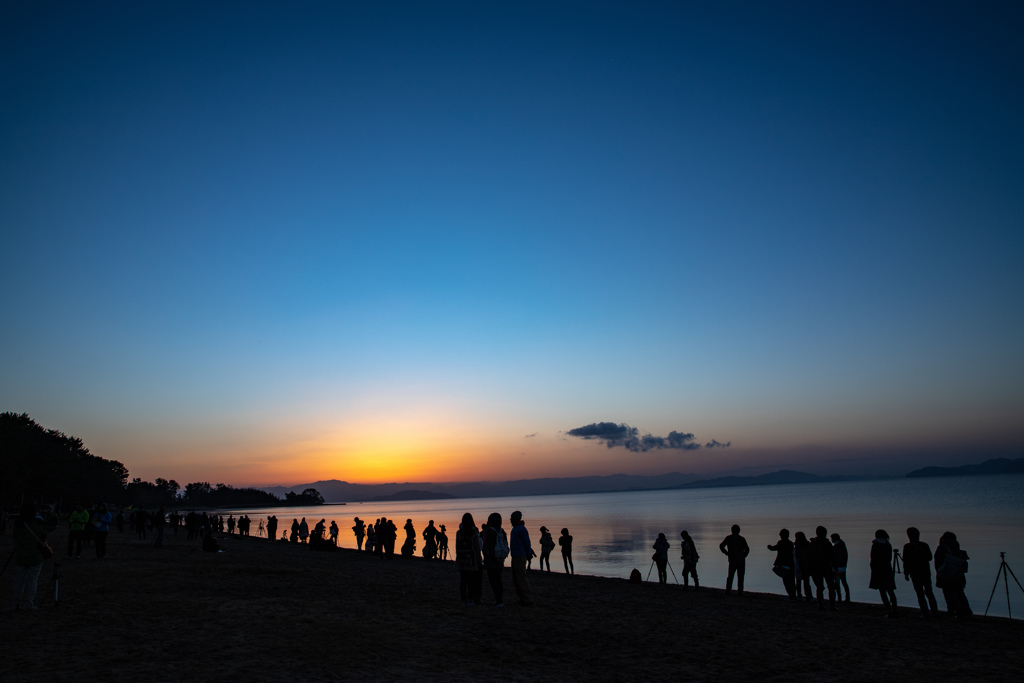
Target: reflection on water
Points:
(614, 532)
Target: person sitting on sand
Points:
(565, 543)
(689, 557)
(660, 557)
(209, 544)
(736, 549)
(882, 577)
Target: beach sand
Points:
(277, 612)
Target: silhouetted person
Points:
(371, 538)
(30, 532)
(882, 577)
(303, 531)
(140, 524)
(842, 559)
(950, 570)
(159, 519)
(359, 529)
(334, 532)
(520, 551)
(565, 543)
(231, 524)
(547, 544)
(689, 556)
(917, 567)
(272, 528)
(822, 561)
(783, 565)
(468, 546)
(430, 541)
(293, 537)
(660, 557)
(209, 544)
(442, 543)
(390, 537)
(801, 555)
(319, 530)
(101, 529)
(77, 521)
(736, 549)
(494, 555)
(409, 547)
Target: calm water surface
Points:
(614, 532)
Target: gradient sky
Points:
(262, 243)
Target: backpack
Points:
(500, 545)
(635, 577)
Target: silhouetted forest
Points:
(45, 464)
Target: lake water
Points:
(614, 532)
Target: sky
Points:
(264, 243)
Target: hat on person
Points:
(543, 528)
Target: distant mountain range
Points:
(335, 491)
(995, 466)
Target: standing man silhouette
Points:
(736, 549)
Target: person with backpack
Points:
(359, 529)
(547, 544)
(520, 550)
(468, 561)
(495, 549)
(950, 568)
(822, 562)
(842, 558)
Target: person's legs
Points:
(787, 581)
(662, 575)
(842, 580)
(819, 589)
(521, 581)
(919, 588)
(728, 580)
(494, 577)
(741, 569)
(100, 537)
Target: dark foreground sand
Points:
(274, 612)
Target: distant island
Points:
(994, 466)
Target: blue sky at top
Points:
(234, 231)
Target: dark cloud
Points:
(622, 435)
(530, 436)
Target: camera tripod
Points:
(1003, 570)
(896, 559)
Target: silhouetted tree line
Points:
(38, 462)
(201, 494)
(45, 463)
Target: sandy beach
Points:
(278, 612)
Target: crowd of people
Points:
(483, 550)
